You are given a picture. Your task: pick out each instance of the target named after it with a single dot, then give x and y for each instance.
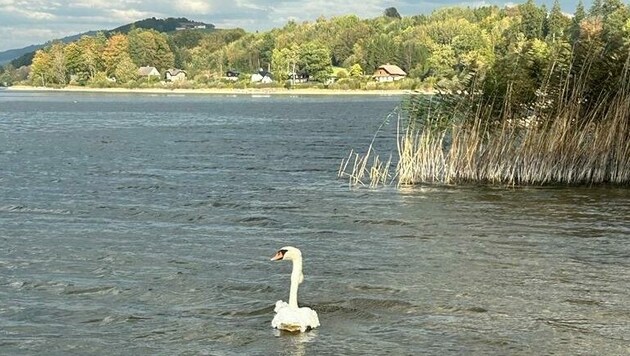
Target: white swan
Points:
(289, 316)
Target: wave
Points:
(382, 222)
(26, 209)
(258, 221)
(92, 290)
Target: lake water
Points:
(144, 225)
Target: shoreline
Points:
(219, 91)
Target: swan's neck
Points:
(296, 279)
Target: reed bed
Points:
(566, 145)
(568, 149)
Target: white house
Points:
(388, 73)
(262, 76)
(148, 72)
(175, 75)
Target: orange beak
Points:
(278, 256)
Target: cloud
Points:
(193, 6)
(295, 10)
(130, 15)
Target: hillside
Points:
(24, 56)
(162, 25)
(9, 55)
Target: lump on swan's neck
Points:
(296, 279)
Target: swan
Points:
(289, 316)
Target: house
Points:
(175, 75)
(192, 25)
(299, 77)
(388, 73)
(262, 76)
(232, 75)
(148, 72)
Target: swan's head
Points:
(287, 253)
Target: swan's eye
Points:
(282, 252)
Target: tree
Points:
(578, 16)
(117, 47)
(126, 70)
(615, 15)
(557, 23)
(442, 61)
(412, 53)
(356, 71)
(532, 20)
(92, 49)
(349, 31)
(187, 38)
(41, 68)
(283, 61)
(391, 12)
(379, 50)
(608, 7)
(74, 61)
(8, 75)
(596, 8)
(314, 59)
(58, 64)
(49, 66)
(149, 47)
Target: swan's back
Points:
(294, 319)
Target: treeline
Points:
(442, 48)
(551, 105)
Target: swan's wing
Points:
(279, 305)
(294, 319)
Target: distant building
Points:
(388, 73)
(232, 75)
(262, 76)
(148, 72)
(175, 75)
(191, 26)
(299, 77)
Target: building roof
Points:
(147, 71)
(392, 69)
(174, 72)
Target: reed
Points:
(366, 173)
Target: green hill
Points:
(24, 56)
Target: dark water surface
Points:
(136, 224)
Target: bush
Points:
(100, 80)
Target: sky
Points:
(26, 22)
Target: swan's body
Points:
(289, 316)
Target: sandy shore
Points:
(250, 91)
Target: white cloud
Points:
(37, 15)
(27, 37)
(131, 15)
(193, 6)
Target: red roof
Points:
(392, 69)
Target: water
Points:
(135, 224)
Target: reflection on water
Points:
(294, 344)
(145, 224)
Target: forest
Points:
(436, 49)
